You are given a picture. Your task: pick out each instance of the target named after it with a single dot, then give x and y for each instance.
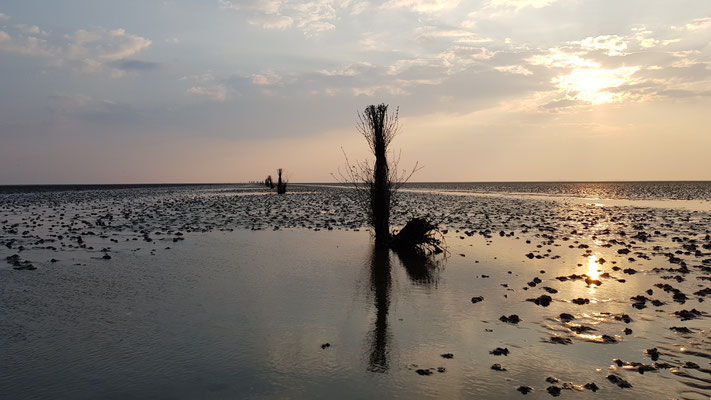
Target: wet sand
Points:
(226, 292)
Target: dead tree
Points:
(379, 129)
(281, 183)
(376, 183)
(268, 182)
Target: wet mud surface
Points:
(535, 297)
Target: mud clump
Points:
(500, 351)
(623, 384)
(553, 391)
(624, 318)
(525, 389)
(543, 300)
(511, 319)
(681, 329)
(560, 340)
(608, 339)
(580, 329)
(565, 317)
(686, 315)
(424, 372)
(653, 353)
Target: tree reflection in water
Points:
(380, 283)
(421, 270)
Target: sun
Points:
(595, 85)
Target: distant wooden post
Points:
(281, 184)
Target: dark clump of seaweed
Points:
(419, 236)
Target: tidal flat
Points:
(231, 291)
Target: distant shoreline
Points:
(167, 184)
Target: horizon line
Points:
(332, 182)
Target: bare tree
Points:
(376, 183)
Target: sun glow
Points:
(595, 85)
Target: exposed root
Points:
(420, 236)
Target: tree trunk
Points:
(380, 192)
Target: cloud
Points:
(266, 79)
(422, 6)
(430, 34)
(207, 87)
(370, 41)
(633, 67)
(514, 69)
(613, 45)
(594, 85)
(519, 4)
(202, 78)
(135, 65)
(84, 51)
(646, 40)
(25, 45)
(370, 91)
(698, 24)
(562, 104)
(4, 17)
(68, 103)
(104, 45)
(30, 30)
(348, 70)
(91, 52)
(417, 66)
(311, 17)
(90, 109)
(561, 58)
(501, 8)
(217, 93)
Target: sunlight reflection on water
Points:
(593, 272)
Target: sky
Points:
(153, 91)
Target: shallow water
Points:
(691, 190)
(224, 314)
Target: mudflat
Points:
(232, 291)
